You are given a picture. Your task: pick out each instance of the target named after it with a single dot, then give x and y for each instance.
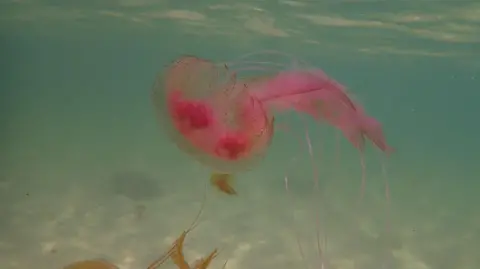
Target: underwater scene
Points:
(256, 134)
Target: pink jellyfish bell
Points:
(211, 116)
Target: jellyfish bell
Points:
(211, 115)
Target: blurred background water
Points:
(86, 172)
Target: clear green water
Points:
(86, 172)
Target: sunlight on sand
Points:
(85, 222)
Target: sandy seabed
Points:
(130, 219)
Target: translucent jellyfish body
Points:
(211, 115)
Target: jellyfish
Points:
(212, 116)
(223, 114)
